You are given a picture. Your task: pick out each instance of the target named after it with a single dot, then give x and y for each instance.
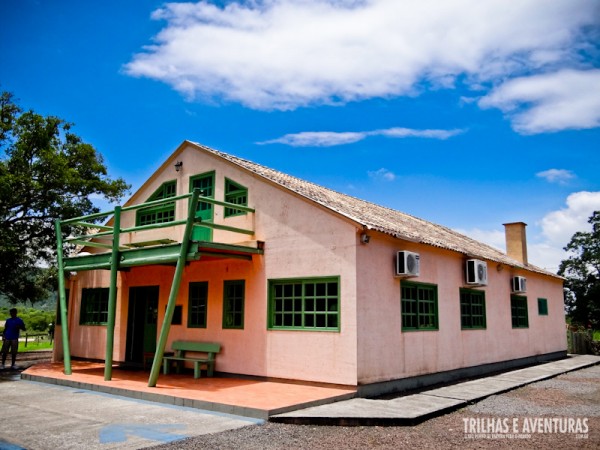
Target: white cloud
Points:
(494, 238)
(382, 175)
(407, 132)
(557, 227)
(567, 99)
(317, 139)
(285, 54)
(332, 138)
(560, 176)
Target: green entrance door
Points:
(141, 323)
(205, 183)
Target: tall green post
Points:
(62, 299)
(181, 262)
(112, 295)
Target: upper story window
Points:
(237, 194)
(160, 213)
(205, 183)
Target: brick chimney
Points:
(516, 241)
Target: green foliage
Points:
(35, 319)
(582, 273)
(46, 173)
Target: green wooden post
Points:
(62, 300)
(181, 262)
(112, 295)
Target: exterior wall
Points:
(386, 352)
(304, 240)
(301, 240)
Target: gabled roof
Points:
(379, 218)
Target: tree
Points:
(582, 273)
(46, 173)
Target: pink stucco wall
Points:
(386, 352)
(302, 240)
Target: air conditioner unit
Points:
(476, 272)
(407, 264)
(518, 285)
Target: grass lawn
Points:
(32, 345)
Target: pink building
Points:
(308, 284)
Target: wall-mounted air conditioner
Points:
(518, 285)
(407, 264)
(476, 272)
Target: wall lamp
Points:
(364, 238)
(178, 166)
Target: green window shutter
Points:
(305, 304)
(233, 304)
(237, 194)
(162, 213)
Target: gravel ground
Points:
(573, 396)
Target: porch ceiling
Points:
(162, 254)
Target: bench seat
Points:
(182, 349)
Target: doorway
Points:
(141, 323)
(205, 183)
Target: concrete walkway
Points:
(413, 409)
(39, 416)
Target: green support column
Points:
(62, 300)
(112, 295)
(166, 325)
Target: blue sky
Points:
(469, 114)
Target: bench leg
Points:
(210, 367)
(166, 366)
(197, 369)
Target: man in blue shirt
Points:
(12, 329)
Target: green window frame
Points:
(237, 194)
(94, 306)
(311, 304)
(472, 309)
(518, 311)
(419, 306)
(542, 306)
(206, 183)
(161, 213)
(233, 304)
(197, 304)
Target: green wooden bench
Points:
(181, 350)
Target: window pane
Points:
(197, 304)
(418, 306)
(233, 304)
(307, 304)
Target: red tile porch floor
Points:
(244, 397)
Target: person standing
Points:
(12, 329)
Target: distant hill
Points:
(47, 305)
